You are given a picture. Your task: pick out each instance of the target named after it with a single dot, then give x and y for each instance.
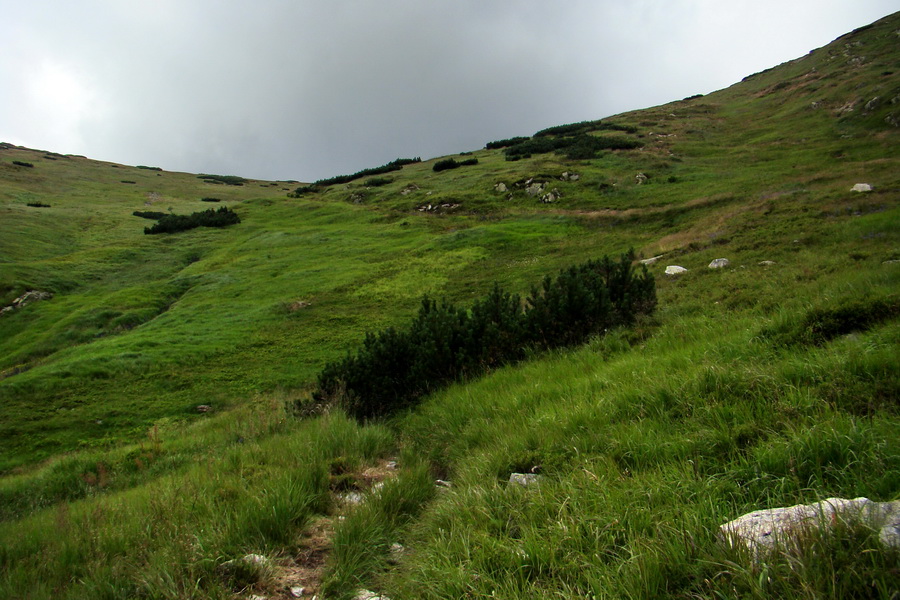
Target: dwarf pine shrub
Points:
(396, 367)
(207, 218)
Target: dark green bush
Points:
(505, 143)
(378, 181)
(222, 217)
(394, 165)
(128, 181)
(822, 324)
(149, 168)
(450, 163)
(577, 147)
(23, 164)
(444, 165)
(396, 367)
(303, 189)
(149, 214)
(210, 199)
(226, 179)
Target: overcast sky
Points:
(307, 89)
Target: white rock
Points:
(396, 553)
(861, 187)
(367, 595)
(534, 189)
(352, 498)
(718, 263)
(766, 263)
(640, 178)
(675, 270)
(760, 530)
(500, 187)
(651, 260)
(442, 483)
(297, 591)
(524, 479)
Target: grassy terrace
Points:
(749, 388)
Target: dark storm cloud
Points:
(304, 90)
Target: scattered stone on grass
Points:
(766, 263)
(25, 299)
(651, 260)
(501, 187)
(524, 479)
(861, 187)
(759, 531)
(718, 263)
(367, 595)
(675, 270)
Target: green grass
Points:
(751, 387)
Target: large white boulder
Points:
(760, 530)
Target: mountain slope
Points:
(750, 387)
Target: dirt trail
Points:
(305, 566)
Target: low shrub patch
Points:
(577, 147)
(505, 143)
(226, 179)
(38, 205)
(450, 163)
(444, 343)
(128, 181)
(394, 165)
(822, 324)
(23, 164)
(209, 199)
(150, 214)
(222, 217)
(149, 168)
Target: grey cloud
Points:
(305, 90)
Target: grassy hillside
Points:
(758, 385)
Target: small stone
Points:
(391, 464)
(891, 262)
(861, 187)
(524, 479)
(766, 263)
(718, 263)
(501, 187)
(675, 270)
(396, 553)
(352, 498)
(534, 189)
(640, 178)
(297, 591)
(651, 260)
(442, 483)
(204, 408)
(367, 595)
